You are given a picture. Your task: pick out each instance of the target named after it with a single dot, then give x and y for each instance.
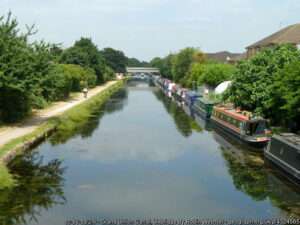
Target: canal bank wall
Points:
(70, 117)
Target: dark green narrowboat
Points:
(284, 151)
(203, 107)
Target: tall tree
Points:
(22, 69)
(115, 59)
(164, 65)
(181, 63)
(85, 53)
(252, 86)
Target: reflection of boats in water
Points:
(251, 176)
(284, 152)
(236, 148)
(204, 124)
(284, 194)
(184, 123)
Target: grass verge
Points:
(6, 179)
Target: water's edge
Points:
(45, 130)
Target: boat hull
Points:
(200, 112)
(259, 145)
(284, 156)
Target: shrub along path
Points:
(8, 133)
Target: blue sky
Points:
(149, 28)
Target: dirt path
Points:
(9, 133)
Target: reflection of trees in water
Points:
(184, 124)
(248, 177)
(253, 178)
(286, 196)
(39, 187)
(90, 123)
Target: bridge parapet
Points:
(142, 70)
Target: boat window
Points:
(256, 128)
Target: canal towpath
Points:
(9, 133)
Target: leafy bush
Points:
(287, 94)
(177, 66)
(182, 62)
(209, 73)
(262, 83)
(78, 76)
(214, 74)
(108, 74)
(57, 84)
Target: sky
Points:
(148, 28)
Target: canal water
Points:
(138, 157)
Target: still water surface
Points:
(141, 156)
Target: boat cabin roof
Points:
(291, 138)
(238, 114)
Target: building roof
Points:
(290, 34)
(224, 56)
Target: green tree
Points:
(287, 94)
(108, 73)
(56, 52)
(57, 85)
(86, 54)
(22, 69)
(196, 71)
(214, 74)
(252, 86)
(181, 63)
(164, 65)
(115, 59)
(78, 76)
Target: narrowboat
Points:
(189, 97)
(241, 124)
(159, 82)
(178, 93)
(203, 107)
(174, 90)
(284, 152)
(170, 89)
(204, 123)
(164, 84)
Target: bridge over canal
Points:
(133, 70)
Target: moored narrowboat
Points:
(203, 107)
(189, 97)
(170, 89)
(241, 124)
(284, 151)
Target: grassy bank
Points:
(69, 120)
(6, 179)
(76, 118)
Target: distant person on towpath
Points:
(85, 92)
